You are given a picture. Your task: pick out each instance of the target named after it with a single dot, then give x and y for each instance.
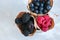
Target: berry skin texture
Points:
(44, 22)
(18, 21)
(25, 17)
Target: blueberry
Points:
(40, 12)
(45, 11)
(32, 9)
(36, 0)
(36, 7)
(48, 2)
(36, 11)
(42, 4)
(25, 17)
(31, 5)
(18, 21)
(48, 7)
(37, 3)
(41, 8)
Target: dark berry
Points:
(37, 3)
(18, 21)
(31, 5)
(36, 11)
(48, 7)
(32, 9)
(25, 17)
(42, 4)
(31, 27)
(48, 2)
(41, 9)
(36, 0)
(39, 6)
(40, 12)
(36, 7)
(26, 32)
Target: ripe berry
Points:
(48, 7)
(18, 21)
(30, 27)
(37, 11)
(44, 22)
(25, 17)
(43, 6)
(26, 32)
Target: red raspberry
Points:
(44, 29)
(40, 19)
(44, 22)
(46, 17)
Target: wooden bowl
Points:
(30, 1)
(20, 26)
(37, 27)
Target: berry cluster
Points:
(44, 22)
(27, 23)
(40, 6)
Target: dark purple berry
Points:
(25, 17)
(18, 21)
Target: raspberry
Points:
(44, 29)
(40, 19)
(44, 22)
(46, 17)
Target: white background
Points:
(8, 30)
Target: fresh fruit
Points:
(18, 21)
(40, 6)
(25, 17)
(28, 27)
(44, 22)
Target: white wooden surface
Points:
(8, 29)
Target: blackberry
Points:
(26, 32)
(28, 27)
(31, 27)
(18, 21)
(25, 17)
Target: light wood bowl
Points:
(29, 1)
(19, 25)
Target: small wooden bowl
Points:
(19, 25)
(29, 1)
